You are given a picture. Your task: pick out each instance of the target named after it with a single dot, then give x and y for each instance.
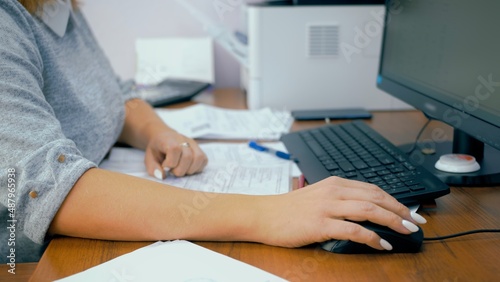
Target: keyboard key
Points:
(383, 172)
(376, 180)
(359, 164)
(384, 186)
(407, 178)
(389, 176)
(411, 182)
(397, 185)
(386, 160)
(392, 181)
(394, 191)
(331, 166)
(346, 166)
(417, 188)
(373, 163)
(351, 174)
(327, 161)
(316, 148)
(370, 174)
(396, 169)
(409, 166)
(339, 174)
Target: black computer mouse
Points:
(401, 243)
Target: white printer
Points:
(307, 54)
(315, 57)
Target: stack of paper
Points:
(208, 122)
(173, 261)
(182, 58)
(232, 168)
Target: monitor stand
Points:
(427, 154)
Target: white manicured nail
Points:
(158, 174)
(385, 245)
(410, 226)
(418, 218)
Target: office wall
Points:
(117, 23)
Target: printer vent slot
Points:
(323, 40)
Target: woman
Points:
(62, 109)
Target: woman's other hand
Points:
(166, 149)
(173, 152)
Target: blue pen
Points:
(256, 146)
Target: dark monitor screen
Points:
(443, 57)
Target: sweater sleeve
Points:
(36, 159)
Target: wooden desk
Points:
(470, 258)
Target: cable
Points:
(462, 234)
(414, 146)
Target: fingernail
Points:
(410, 226)
(385, 245)
(158, 174)
(418, 218)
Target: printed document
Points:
(232, 168)
(208, 122)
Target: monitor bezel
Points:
(433, 108)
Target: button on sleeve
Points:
(61, 158)
(33, 194)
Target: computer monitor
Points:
(443, 58)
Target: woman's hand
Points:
(319, 212)
(171, 151)
(165, 148)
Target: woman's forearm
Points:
(108, 205)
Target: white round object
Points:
(457, 163)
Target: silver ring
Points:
(185, 144)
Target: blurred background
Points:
(118, 23)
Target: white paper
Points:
(181, 58)
(208, 122)
(232, 168)
(176, 261)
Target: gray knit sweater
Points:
(61, 110)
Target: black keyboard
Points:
(354, 150)
(171, 91)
